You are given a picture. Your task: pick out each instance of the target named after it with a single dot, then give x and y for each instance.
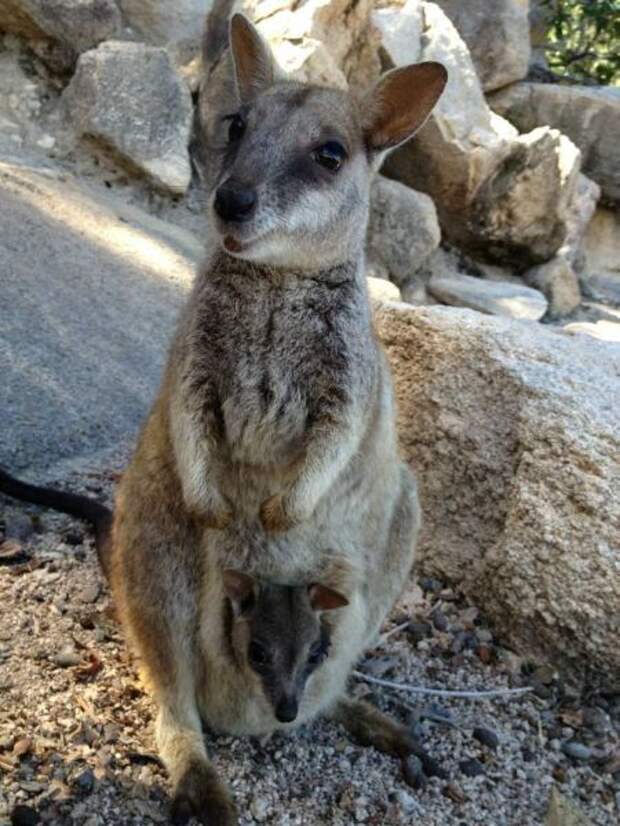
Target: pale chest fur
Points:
(265, 360)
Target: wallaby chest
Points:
(268, 361)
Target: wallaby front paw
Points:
(201, 794)
(272, 515)
(218, 519)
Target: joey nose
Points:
(235, 202)
(286, 710)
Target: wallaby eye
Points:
(257, 654)
(317, 653)
(236, 128)
(331, 155)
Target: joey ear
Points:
(323, 598)
(239, 588)
(400, 103)
(253, 61)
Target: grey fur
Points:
(272, 444)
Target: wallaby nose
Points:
(286, 710)
(234, 202)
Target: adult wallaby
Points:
(272, 439)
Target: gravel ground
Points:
(76, 741)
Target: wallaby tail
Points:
(215, 39)
(81, 507)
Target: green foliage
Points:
(584, 39)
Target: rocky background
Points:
(494, 260)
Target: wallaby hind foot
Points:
(200, 793)
(371, 727)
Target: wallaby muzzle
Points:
(235, 202)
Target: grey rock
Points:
(558, 281)
(521, 213)
(459, 146)
(67, 658)
(403, 229)
(90, 291)
(576, 750)
(77, 24)
(497, 37)
(471, 767)
(590, 116)
(563, 812)
(89, 592)
(487, 737)
(516, 441)
(128, 97)
(493, 297)
(601, 243)
(161, 22)
(498, 195)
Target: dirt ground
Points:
(76, 742)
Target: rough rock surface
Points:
(322, 41)
(90, 291)
(520, 214)
(497, 37)
(160, 21)
(459, 146)
(403, 229)
(557, 279)
(590, 116)
(516, 440)
(492, 297)
(128, 96)
(498, 195)
(79, 24)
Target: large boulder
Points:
(498, 194)
(493, 297)
(516, 442)
(520, 215)
(498, 38)
(602, 251)
(590, 116)
(161, 22)
(74, 25)
(403, 229)
(91, 288)
(320, 41)
(128, 97)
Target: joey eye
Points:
(236, 128)
(257, 655)
(330, 156)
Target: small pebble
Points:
(89, 592)
(85, 782)
(439, 620)
(18, 526)
(576, 750)
(413, 773)
(419, 631)
(406, 802)
(24, 816)
(487, 737)
(67, 657)
(471, 768)
(428, 583)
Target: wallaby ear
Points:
(323, 598)
(400, 103)
(240, 590)
(253, 61)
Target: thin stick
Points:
(441, 692)
(386, 636)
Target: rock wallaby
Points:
(271, 447)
